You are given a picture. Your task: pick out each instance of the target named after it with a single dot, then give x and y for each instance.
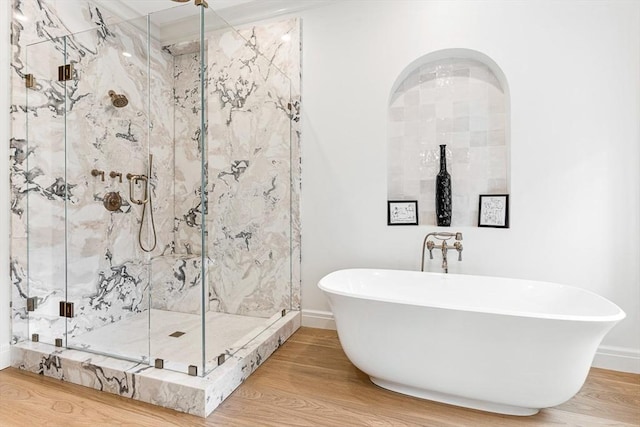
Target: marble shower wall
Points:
(253, 168)
(253, 186)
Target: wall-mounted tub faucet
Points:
(444, 247)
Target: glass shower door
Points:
(46, 191)
(107, 139)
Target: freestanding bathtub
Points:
(500, 345)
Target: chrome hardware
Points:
(35, 337)
(58, 342)
(159, 364)
(221, 358)
(114, 174)
(32, 304)
(97, 172)
(444, 247)
(193, 370)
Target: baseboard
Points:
(617, 359)
(318, 319)
(5, 356)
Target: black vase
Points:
(443, 191)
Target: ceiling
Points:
(145, 7)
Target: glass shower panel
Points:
(179, 265)
(249, 111)
(46, 188)
(107, 121)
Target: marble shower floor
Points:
(146, 337)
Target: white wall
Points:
(5, 287)
(573, 69)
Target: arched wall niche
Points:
(456, 97)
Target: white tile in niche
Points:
(478, 122)
(428, 112)
(444, 125)
(497, 186)
(460, 139)
(410, 130)
(461, 155)
(412, 98)
(412, 114)
(496, 137)
(478, 139)
(460, 124)
(461, 109)
(427, 131)
(444, 109)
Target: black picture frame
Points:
(493, 210)
(402, 212)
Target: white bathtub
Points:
(500, 345)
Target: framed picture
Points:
(494, 211)
(402, 212)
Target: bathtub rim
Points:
(620, 315)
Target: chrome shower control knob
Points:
(112, 201)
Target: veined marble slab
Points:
(146, 337)
(194, 395)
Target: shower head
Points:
(117, 100)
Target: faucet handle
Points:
(459, 248)
(430, 246)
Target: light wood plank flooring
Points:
(307, 382)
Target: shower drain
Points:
(176, 334)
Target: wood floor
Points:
(307, 382)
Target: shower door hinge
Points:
(66, 309)
(32, 304)
(29, 81)
(65, 72)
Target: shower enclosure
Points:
(162, 189)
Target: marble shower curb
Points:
(194, 395)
